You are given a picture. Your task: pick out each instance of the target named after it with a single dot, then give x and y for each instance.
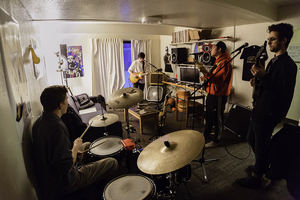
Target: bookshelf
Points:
(204, 41)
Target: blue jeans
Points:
(259, 135)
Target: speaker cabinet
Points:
(155, 93)
(238, 120)
(157, 78)
(205, 54)
(179, 55)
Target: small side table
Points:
(142, 114)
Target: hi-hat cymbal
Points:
(125, 97)
(104, 120)
(158, 158)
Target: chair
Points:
(186, 105)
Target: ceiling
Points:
(186, 13)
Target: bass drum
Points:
(111, 147)
(130, 187)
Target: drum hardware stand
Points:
(127, 120)
(161, 119)
(202, 161)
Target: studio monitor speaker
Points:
(155, 93)
(238, 120)
(179, 55)
(205, 55)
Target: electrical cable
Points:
(234, 155)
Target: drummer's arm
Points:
(77, 144)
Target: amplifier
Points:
(238, 120)
(157, 78)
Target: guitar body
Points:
(256, 87)
(133, 79)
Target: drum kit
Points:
(169, 156)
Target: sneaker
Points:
(252, 183)
(211, 144)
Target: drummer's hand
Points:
(77, 143)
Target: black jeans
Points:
(259, 135)
(139, 85)
(215, 106)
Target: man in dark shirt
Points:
(54, 155)
(277, 83)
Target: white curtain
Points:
(107, 66)
(142, 45)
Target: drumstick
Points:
(86, 129)
(94, 146)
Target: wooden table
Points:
(142, 114)
(183, 86)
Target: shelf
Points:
(205, 41)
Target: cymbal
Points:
(125, 97)
(104, 120)
(158, 158)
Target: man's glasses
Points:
(271, 39)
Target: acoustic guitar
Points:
(139, 76)
(256, 87)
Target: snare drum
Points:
(129, 187)
(111, 148)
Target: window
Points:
(127, 61)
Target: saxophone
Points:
(162, 115)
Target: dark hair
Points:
(221, 45)
(52, 96)
(141, 55)
(284, 30)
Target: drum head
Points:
(128, 187)
(111, 146)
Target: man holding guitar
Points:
(137, 72)
(218, 89)
(277, 83)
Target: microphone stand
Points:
(205, 84)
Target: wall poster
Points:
(75, 62)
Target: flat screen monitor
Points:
(189, 74)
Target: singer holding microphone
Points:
(137, 72)
(218, 89)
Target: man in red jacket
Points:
(218, 89)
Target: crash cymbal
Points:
(171, 152)
(125, 98)
(104, 120)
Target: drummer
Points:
(54, 155)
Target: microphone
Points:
(240, 48)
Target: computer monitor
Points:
(188, 74)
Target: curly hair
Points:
(284, 30)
